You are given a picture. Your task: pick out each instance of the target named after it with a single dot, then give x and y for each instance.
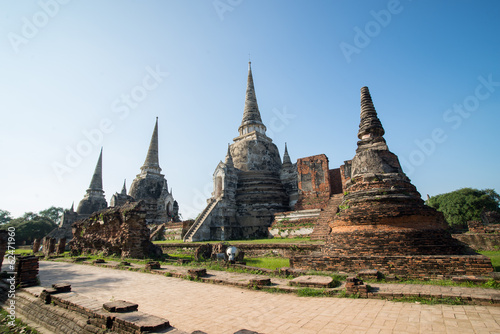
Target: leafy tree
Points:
(466, 204)
(53, 213)
(5, 216)
(29, 227)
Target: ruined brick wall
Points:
(335, 181)
(480, 241)
(477, 226)
(26, 268)
(120, 231)
(313, 182)
(397, 243)
(345, 173)
(415, 266)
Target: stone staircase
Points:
(322, 229)
(200, 220)
(261, 187)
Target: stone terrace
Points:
(219, 309)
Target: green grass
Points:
(19, 326)
(268, 262)
(490, 284)
(22, 251)
(494, 257)
(159, 242)
(308, 292)
(430, 301)
(254, 241)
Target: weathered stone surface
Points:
(120, 231)
(382, 212)
(312, 281)
(36, 245)
(152, 265)
(94, 199)
(61, 246)
(260, 281)
(26, 268)
(120, 306)
(410, 266)
(382, 222)
(250, 186)
(197, 272)
(62, 287)
(151, 187)
(480, 241)
(368, 274)
(313, 182)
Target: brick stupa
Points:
(382, 212)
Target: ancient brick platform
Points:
(410, 266)
(383, 223)
(312, 281)
(120, 231)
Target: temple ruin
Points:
(149, 186)
(120, 231)
(382, 222)
(250, 185)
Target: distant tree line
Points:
(466, 204)
(31, 225)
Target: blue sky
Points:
(67, 68)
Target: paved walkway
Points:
(220, 309)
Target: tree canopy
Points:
(466, 204)
(31, 225)
(5, 216)
(27, 229)
(53, 213)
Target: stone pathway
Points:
(220, 309)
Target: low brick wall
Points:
(284, 250)
(411, 266)
(69, 313)
(393, 242)
(480, 241)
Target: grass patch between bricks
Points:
(490, 284)
(19, 326)
(429, 301)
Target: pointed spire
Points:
(96, 183)
(369, 125)
(229, 158)
(251, 113)
(286, 157)
(151, 164)
(72, 209)
(124, 189)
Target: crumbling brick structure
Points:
(26, 268)
(120, 231)
(383, 217)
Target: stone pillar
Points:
(61, 246)
(26, 271)
(36, 245)
(49, 246)
(45, 244)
